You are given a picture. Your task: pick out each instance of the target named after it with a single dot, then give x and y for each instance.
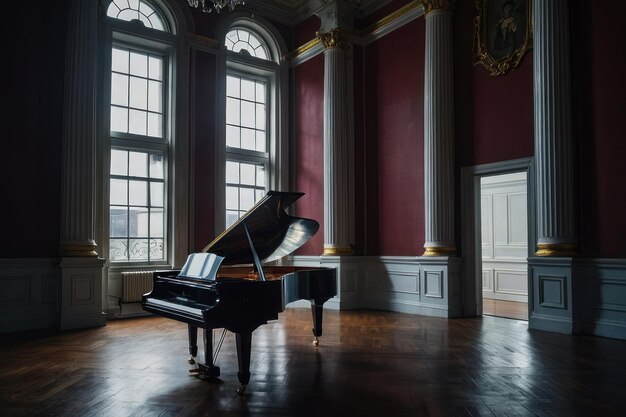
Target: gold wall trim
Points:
(203, 40)
(369, 30)
(556, 249)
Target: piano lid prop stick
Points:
(257, 262)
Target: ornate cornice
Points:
(436, 5)
(334, 38)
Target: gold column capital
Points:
(337, 251)
(334, 38)
(78, 249)
(435, 5)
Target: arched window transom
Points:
(243, 41)
(137, 10)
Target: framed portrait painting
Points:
(503, 33)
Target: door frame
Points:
(471, 226)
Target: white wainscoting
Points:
(29, 291)
(504, 237)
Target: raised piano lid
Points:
(274, 233)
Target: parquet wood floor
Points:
(508, 309)
(368, 363)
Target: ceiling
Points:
(291, 12)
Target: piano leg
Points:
(193, 344)
(317, 307)
(244, 343)
(211, 372)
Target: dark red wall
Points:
(599, 59)
(203, 149)
(309, 147)
(393, 79)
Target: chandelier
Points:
(218, 5)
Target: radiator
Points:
(134, 285)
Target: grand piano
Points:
(228, 287)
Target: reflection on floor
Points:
(508, 309)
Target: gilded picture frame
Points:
(503, 33)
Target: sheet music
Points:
(201, 265)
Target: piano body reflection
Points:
(228, 287)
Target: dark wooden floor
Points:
(368, 364)
(507, 309)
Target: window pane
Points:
(155, 100)
(259, 194)
(157, 249)
(231, 217)
(260, 92)
(232, 198)
(232, 172)
(232, 111)
(138, 249)
(138, 93)
(243, 35)
(119, 119)
(137, 221)
(247, 174)
(247, 139)
(138, 193)
(138, 64)
(119, 60)
(118, 249)
(232, 86)
(156, 222)
(246, 198)
(119, 162)
(155, 67)
(119, 89)
(138, 164)
(156, 165)
(155, 125)
(247, 114)
(260, 116)
(260, 176)
(119, 192)
(261, 141)
(137, 122)
(156, 194)
(232, 136)
(247, 90)
(118, 224)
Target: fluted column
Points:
(83, 285)
(336, 192)
(554, 153)
(439, 130)
(79, 131)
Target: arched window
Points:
(139, 10)
(138, 135)
(250, 110)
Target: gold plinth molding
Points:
(335, 251)
(78, 250)
(440, 251)
(335, 38)
(556, 249)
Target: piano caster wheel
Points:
(316, 342)
(241, 389)
(191, 360)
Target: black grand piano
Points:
(228, 287)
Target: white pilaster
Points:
(439, 131)
(556, 194)
(81, 269)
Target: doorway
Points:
(504, 244)
(493, 290)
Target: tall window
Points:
(248, 104)
(138, 141)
